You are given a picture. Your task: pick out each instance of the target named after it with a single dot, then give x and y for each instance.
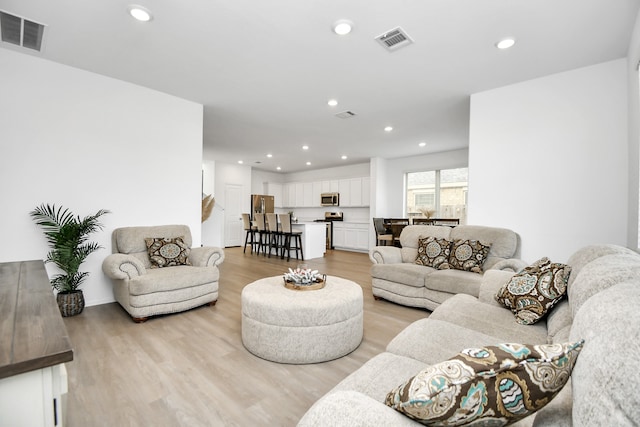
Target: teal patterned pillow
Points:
(490, 386)
(533, 291)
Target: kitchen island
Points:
(314, 235)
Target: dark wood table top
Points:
(32, 332)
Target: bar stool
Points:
(250, 230)
(287, 231)
(276, 237)
(263, 233)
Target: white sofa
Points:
(144, 291)
(601, 307)
(396, 277)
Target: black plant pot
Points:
(70, 303)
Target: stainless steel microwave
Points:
(330, 199)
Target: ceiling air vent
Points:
(346, 114)
(21, 32)
(394, 39)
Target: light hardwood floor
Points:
(190, 369)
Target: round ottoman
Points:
(290, 326)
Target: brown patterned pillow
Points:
(467, 255)
(167, 252)
(532, 292)
(432, 252)
(493, 385)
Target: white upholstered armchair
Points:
(143, 289)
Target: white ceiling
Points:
(264, 69)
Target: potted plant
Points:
(68, 239)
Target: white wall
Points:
(259, 177)
(634, 135)
(395, 170)
(230, 174)
(88, 142)
(548, 159)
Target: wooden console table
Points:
(34, 344)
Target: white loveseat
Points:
(396, 277)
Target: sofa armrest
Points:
(351, 408)
(206, 256)
(511, 264)
(492, 281)
(123, 266)
(385, 255)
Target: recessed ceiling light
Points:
(344, 157)
(278, 168)
(269, 155)
(308, 163)
(388, 129)
(342, 27)
(332, 102)
(422, 144)
(140, 13)
(240, 162)
(505, 43)
(305, 147)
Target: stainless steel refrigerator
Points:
(261, 204)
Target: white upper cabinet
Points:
(275, 189)
(307, 192)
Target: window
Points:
(438, 194)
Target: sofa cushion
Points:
(167, 251)
(467, 255)
(172, 278)
(600, 274)
(405, 273)
(606, 379)
(585, 255)
(469, 312)
(497, 384)
(504, 242)
(454, 282)
(558, 319)
(533, 292)
(432, 341)
(351, 408)
(432, 252)
(380, 374)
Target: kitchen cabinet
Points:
(316, 191)
(344, 188)
(351, 236)
(354, 192)
(307, 192)
(289, 193)
(299, 190)
(275, 189)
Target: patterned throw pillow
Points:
(167, 252)
(532, 292)
(433, 252)
(494, 385)
(467, 255)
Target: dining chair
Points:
(382, 234)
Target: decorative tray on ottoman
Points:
(304, 280)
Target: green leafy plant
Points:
(68, 238)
